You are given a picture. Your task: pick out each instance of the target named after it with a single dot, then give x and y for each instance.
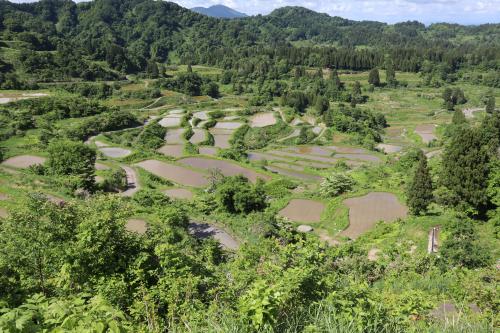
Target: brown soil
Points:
(179, 193)
(366, 211)
(23, 161)
(303, 210)
(174, 173)
(172, 150)
(227, 168)
(136, 225)
(3, 212)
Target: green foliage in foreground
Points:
(73, 160)
(419, 192)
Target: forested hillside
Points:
(126, 35)
(166, 171)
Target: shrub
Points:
(336, 184)
(237, 195)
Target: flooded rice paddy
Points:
(366, 211)
(226, 168)
(303, 210)
(23, 161)
(175, 173)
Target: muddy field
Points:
(221, 138)
(227, 168)
(198, 136)
(262, 119)
(171, 121)
(23, 161)
(229, 125)
(174, 136)
(175, 173)
(303, 210)
(366, 211)
(172, 150)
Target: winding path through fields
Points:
(132, 181)
(204, 230)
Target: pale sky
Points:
(391, 11)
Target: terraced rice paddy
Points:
(366, 211)
(262, 119)
(198, 136)
(203, 115)
(171, 121)
(303, 210)
(328, 154)
(137, 226)
(178, 193)
(23, 161)
(389, 149)
(221, 137)
(174, 136)
(226, 168)
(230, 125)
(426, 132)
(258, 156)
(172, 150)
(291, 173)
(115, 152)
(175, 173)
(210, 151)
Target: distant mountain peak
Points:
(219, 11)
